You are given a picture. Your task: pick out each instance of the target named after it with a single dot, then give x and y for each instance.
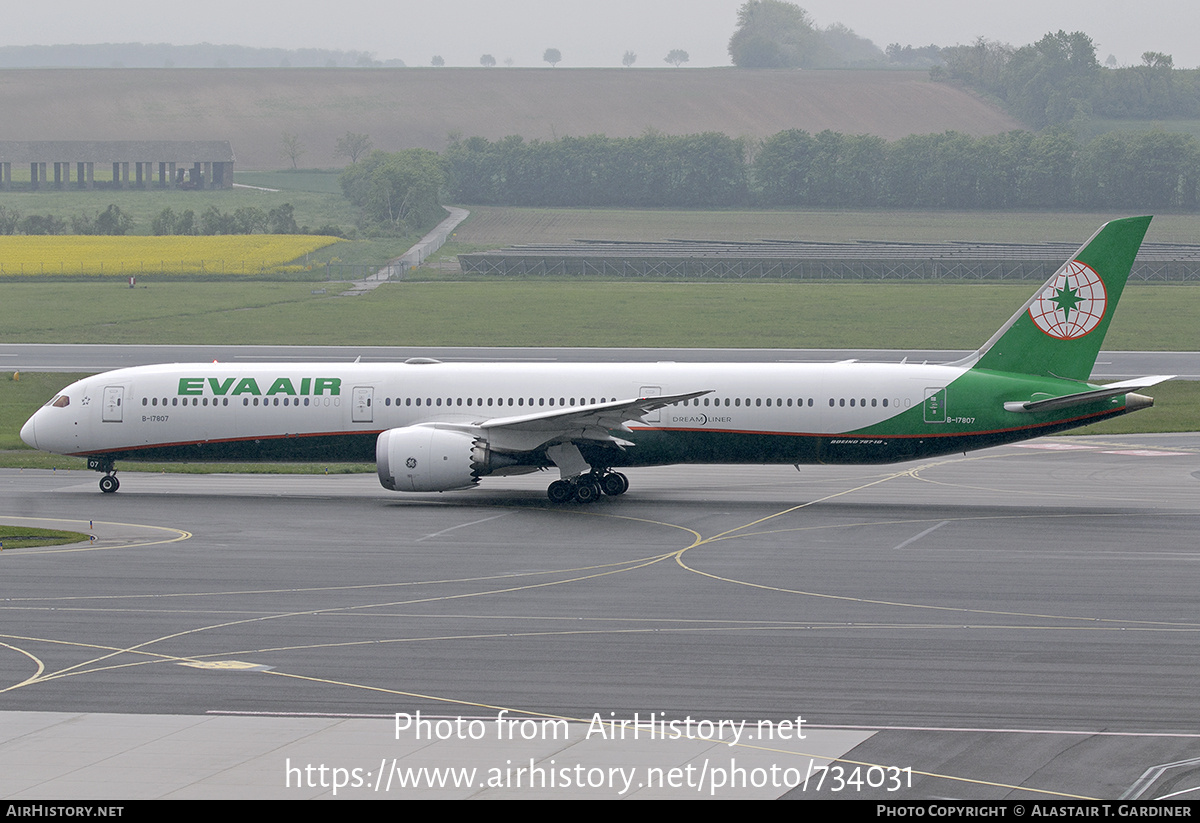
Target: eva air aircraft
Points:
(433, 426)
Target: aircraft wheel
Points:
(614, 483)
(587, 490)
(109, 484)
(560, 491)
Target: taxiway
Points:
(1017, 623)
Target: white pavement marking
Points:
(917, 537)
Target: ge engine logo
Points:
(411, 462)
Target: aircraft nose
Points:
(29, 433)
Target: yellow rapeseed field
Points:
(124, 256)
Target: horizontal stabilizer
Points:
(1080, 398)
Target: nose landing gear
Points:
(109, 482)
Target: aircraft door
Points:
(362, 411)
(114, 398)
(651, 391)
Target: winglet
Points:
(1059, 331)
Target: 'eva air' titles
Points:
(309, 386)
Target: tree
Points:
(291, 147)
(113, 221)
(214, 221)
(772, 34)
(845, 48)
(9, 220)
(282, 220)
(676, 57)
(553, 57)
(1157, 60)
(487, 61)
(508, 62)
(437, 61)
(1051, 81)
(629, 59)
(42, 224)
(981, 64)
(396, 191)
(249, 219)
(353, 146)
(782, 167)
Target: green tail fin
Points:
(1058, 333)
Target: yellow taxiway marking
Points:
(85, 526)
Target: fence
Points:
(785, 260)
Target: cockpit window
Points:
(61, 402)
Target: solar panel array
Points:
(805, 260)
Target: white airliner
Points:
(433, 426)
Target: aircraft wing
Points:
(1078, 399)
(595, 422)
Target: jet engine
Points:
(426, 459)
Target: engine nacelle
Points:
(425, 459)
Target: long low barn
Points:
(801, 260)
(199, 164)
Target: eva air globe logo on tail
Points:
(1072, 305)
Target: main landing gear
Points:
(109, 482)
(587, 488)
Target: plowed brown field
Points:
(403, 108)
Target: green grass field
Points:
(23, 537)
(533, 313)
(321, 181)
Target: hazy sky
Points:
(591, 32)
